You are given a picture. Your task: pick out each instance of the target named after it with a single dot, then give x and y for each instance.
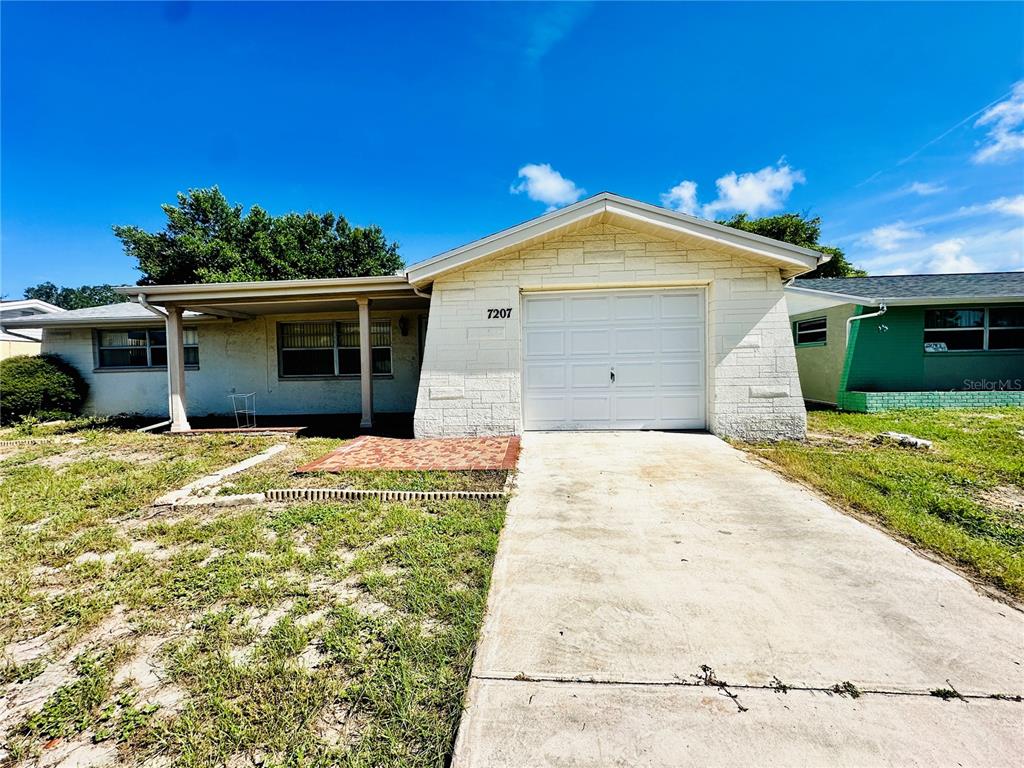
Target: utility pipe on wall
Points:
(849, 321)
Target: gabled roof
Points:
(792, 259)
(917, 289)
(126, 312)
(35, 306)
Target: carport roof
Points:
(792, 259)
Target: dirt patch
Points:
(1007, 499)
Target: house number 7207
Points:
(499, 314)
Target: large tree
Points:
(74, 298)
(208, 240)
(799, 230)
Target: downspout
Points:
(849, 321)
(420, 293)
(161, 314)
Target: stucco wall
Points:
(894, 360)
(242, 357)
(821, 366)
(16, 348)
(471, 374)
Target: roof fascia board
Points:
(269, 290)
(789, 255)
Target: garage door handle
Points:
(612, 373)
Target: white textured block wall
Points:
(242, 357)
(470, 383)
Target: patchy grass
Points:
(308, 634)
(963, 500)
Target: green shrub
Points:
(43, 386)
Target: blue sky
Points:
(902, 126)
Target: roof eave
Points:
(267, 289)
(874, 301)
(792, 259)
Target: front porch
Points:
(303, 343)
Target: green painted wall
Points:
(820, 366)
(895, 360)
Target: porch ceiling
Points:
(300, 306)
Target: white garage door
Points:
(614, 360)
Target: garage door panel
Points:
(545, 376)
(546, 343)
(636, 374)
(682, 339)
(629, 307)
(584, 309)
(590, 342)
(682, 307)
(653, 340)
(591, 408)
(589, 375)
(544, 310)
(681, 373)
(546, 408)
(682, 407)
(636, 408)
(636, 340)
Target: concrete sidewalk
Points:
(655, 593)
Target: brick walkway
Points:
(450, 453)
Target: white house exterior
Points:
(25, 341)
(607, 314)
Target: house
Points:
(910, 341)
(607, 314)
(25, 341)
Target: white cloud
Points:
(682, 197)
(1005, 123)
(923, 188)
(1012, 206)
(983, 248)
(754, 193)
(949, 256)
(550, 26)
(890, 237)
(544, 184)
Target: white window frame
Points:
(985, 327)
(149, 347)
(797, 331)
(336, 349)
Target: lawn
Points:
(962, 500)
(309, 634)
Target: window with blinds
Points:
(328, 348)
(141, 348)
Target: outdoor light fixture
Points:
(403, 325)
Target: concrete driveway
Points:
(655, 594)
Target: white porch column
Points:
(176, 370)
(365, 362)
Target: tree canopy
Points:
(74, 298)
(797, 229)
(208, 240)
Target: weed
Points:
(846, 688)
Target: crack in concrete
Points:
(830, 690)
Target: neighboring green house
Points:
(910, 341)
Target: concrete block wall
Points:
(470, 383)
(873, 402)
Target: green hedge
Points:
(43, 386)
